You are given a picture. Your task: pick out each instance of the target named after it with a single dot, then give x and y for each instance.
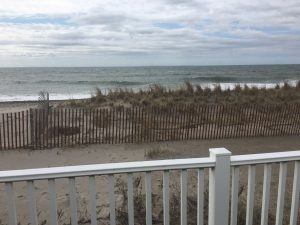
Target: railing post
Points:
(219, 179)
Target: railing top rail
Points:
(141, 166)
(103, 169)
(275, 157)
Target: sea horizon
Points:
(130, 66)
(24, 83)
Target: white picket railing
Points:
(221, 166)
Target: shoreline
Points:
(159, 95)
(145, 88)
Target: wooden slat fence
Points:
(15, 130)
(42, 129)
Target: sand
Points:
(22, 159)
(104, 153)
(8, 107)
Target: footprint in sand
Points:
(20, 196)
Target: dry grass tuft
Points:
(160, 153)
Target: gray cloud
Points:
(178, 29)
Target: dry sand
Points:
(8, 107)
(22, 159)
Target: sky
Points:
(148, 33)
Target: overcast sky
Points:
(148, 32)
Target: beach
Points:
(149, 112)
(241, 111)
(18, 106)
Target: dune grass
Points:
(157, 95)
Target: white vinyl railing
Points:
(223, 168)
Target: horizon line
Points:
(267, 64)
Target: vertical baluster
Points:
(183, 181)
(53, 207)
(295, 195)
(32, 202)
(200, 197)
(112, 201)
(250, 195)
(281, 193)
(166, 197)
(234, 195)
(93, 205)
(73, 202)
(266, 194)
(130, 199)
(148, 199)
(12, 215)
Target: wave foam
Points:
(61, 96)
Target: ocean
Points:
(24, 84)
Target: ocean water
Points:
(22, 84)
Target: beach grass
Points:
(187, 93)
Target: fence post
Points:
(219, 179)
(31, 129)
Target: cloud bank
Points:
(165, 32)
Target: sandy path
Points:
(14, 159)
(21, 159)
